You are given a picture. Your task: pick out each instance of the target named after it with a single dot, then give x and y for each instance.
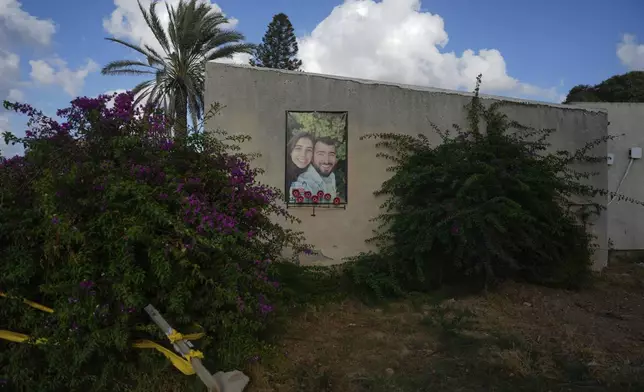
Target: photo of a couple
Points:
(316, 157)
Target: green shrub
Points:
(483, 206)
(105, 214)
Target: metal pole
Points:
(183, 347)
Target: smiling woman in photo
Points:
(299, 155)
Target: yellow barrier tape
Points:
(35, 305)
(194, 336)
(18, 337)
(193, 354)
(180, 363)
(183, 365)
(13, 336)
(175, 336)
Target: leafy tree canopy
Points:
(194, 34)
(105, 214)
(279, 46)
(628, 87)
(485, 205)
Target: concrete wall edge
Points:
(435, 90)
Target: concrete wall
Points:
(625, 220)
(256, 99)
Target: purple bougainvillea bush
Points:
(104, 214)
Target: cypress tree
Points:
(279, 46)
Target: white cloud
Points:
(6, 150)
(9, 74)
(56, 72)
(631, 53)
(4, 126)
(15, 22)
(126, 21)
(238, 58)
(19, 28)
(9, 63)
(15, 95)
(394, 41)
(42, 72)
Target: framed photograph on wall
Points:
(316, 157)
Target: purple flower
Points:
(265, 309)
(308, 251)
(87, 104)
(167, 145)
(55, 220)
(86, 284)
(455, 229)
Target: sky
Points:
(53, 51)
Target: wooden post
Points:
(183, 346)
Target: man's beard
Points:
(319, 170)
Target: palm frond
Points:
(229, 50)
(141, 91)
(193, 35)
(219, 39)
(152, 20)
(156, 59)
(130, 45)
(172, 30)
(126, 66)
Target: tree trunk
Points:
(181, 116)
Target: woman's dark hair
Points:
(292, 171)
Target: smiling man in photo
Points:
(319, 176)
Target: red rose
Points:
(320, 193)
(295, 193)
(300, 199)
(336, 200)
(307, 194)
(327, 196)
(315, 199)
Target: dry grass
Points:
(519, 338)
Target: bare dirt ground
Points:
(518, 338)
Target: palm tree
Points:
(193, 36)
